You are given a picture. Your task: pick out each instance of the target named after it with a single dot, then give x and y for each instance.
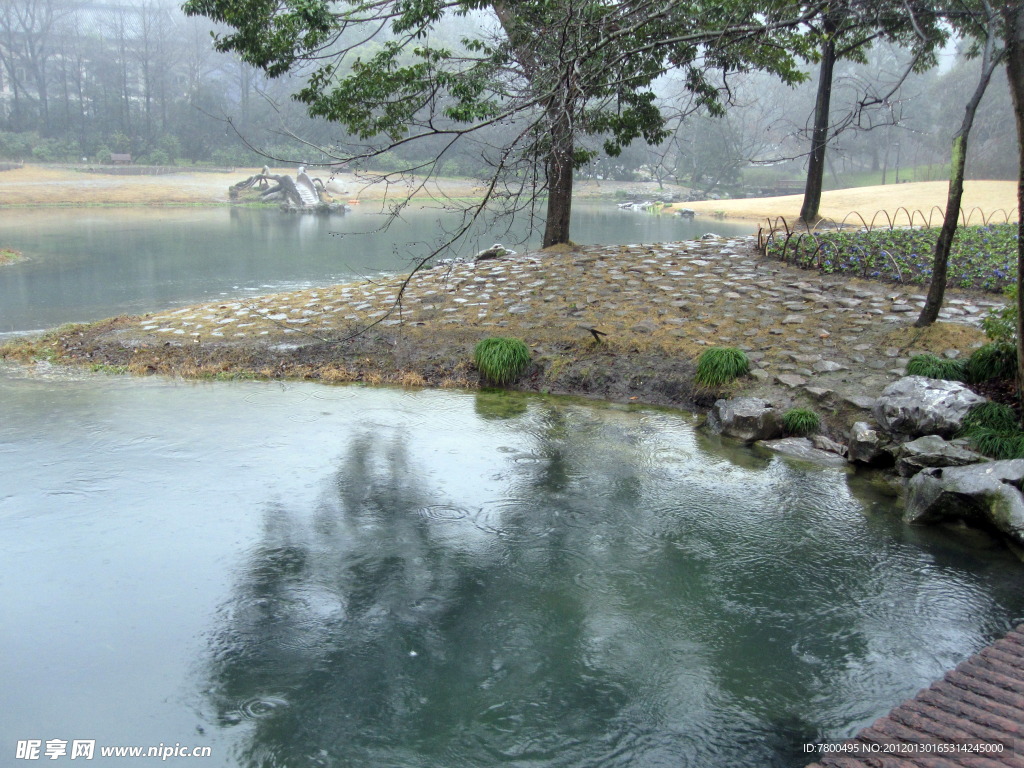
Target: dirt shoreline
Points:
(824, 342)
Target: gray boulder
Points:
(826, 444)
(801, 448)
(867, 446)
(932, 451)
(745, 418)
(917, 405)
(987, 493)
(496, 251)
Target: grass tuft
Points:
(997, 444)
(501, 359)
(800, 422)
(990, 415)
(720, 365)
(937, 368)
(994, 431)
(993, 361)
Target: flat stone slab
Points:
(791, 380)
(933, 451)
(818, 393)
(803, 449)
(863, 402)
(828, 366)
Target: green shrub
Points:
(799, 421)
(501, 359)
(989, 415)
(994, 430)
(1001, 324)
(997, 360)
(996, 444)
(720, 365)
(937, 368)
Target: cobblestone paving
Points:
(802, 329)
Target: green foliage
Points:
(991, 416)
(998, 444)
(994, 430)
(501, 359)
(982, 257)
(31, 146)
(1001, 324)
(997, 360)
(937, 368)
(800, 421)
(720, 365)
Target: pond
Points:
(88, 264)
(300, 574)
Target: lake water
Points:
(306, 575)
(88, 264)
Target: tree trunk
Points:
(559, 170)
(819, 138)
(1013, 17)
(940, 261)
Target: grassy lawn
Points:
(983, 257)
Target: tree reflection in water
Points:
(365, 638)
(626, 599)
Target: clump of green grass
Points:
(501, 359)
(800, 422)
(720, 365)
(997, 445)
(990, 415)
(997, 360)
(994, 430)
(937, 368)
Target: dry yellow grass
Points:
(836, 204)
(52, 185)
(935, 338)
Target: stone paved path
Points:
(804, 331)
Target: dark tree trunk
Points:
(1013, 17)
(819, 138)
(940, 261)
(559, 170)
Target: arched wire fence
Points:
(818, 248)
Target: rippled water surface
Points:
(88, 264)
(303, 575)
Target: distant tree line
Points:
(83, 79)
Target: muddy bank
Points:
(405, 357)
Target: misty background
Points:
(81, 80)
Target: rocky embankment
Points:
(911, 432)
